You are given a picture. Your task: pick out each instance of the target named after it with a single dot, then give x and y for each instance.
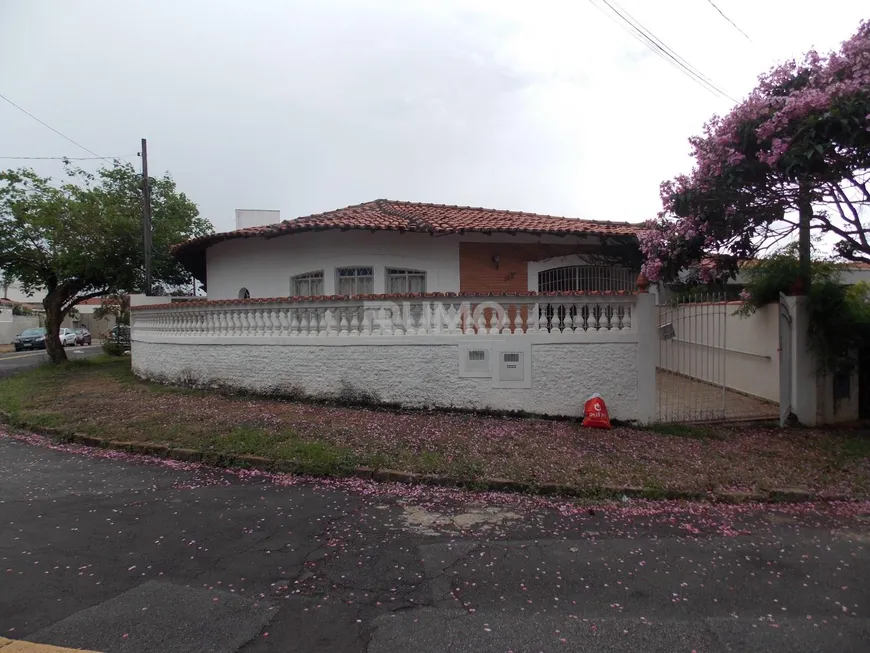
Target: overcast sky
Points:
(546, 106)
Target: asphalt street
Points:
(104, 551)
(17, 361)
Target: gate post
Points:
(804, 369)
(646, 321)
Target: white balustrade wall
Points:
(564, 316)
(407, 351)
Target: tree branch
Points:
(77, 299)
(856, 216)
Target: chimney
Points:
(256, 218)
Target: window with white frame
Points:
(354, 281)
(400, 280)
(309, 284)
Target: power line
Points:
(722, 13)
(45, 124)
(64, 158)
(659, 47)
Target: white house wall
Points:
(264, 266)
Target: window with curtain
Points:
(309, 284)
(400, 280)
(355, 281)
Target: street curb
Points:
(245, 461)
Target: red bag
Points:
(595, 413)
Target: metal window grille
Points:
(476, 355)
(511, 358)
(587, 278)
(309, 284)
(355, 281)
(401, 281)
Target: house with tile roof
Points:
(418, 305)
(428, 305)
(391, 247)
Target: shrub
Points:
(114, 348)
(839, 315)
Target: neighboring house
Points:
(851, 272)
(388, 247)
(13, 292)
(11, 325)
(87, 308)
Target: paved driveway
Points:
(683, 399)
(111, 554)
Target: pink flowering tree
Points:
(793, 156)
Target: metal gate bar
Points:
(691, 379)
(691, 370)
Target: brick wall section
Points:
(477, 272)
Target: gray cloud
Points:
(305, 106)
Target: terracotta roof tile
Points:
(391, 215)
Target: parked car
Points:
(30, 339)
(120, 335)
(67, 337)
(83, 336)
(119, 332)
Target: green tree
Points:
(117, 305)
(793, 156)
(82, 238)
(839, 315)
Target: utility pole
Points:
(146, 216)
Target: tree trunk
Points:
(805, 215)
(53, 317)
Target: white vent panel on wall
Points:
(474, 360)
(512, 366)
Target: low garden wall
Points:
(475, 355)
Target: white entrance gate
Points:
(690, 377)
(701, 374)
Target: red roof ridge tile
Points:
(510, 211)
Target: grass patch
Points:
(431, 462)
(51, 420)
(857, 446)
(246, 440)
(101, 397)
(317, 457)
